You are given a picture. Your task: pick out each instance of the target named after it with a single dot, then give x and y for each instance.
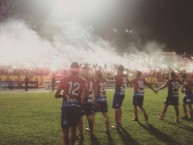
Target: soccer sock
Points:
(117, 117)
(120, 116)
(191, 114)
(91, 126)
(80, 127)
(65, 137)
(73, 138)
(107, 123)
(185, 110)
(164, 111)
(177, 113)
(135, 112)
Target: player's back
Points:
(89, 90)
(120, 82)
(100, 87)
(173, 87)
(90, 82)
(138, 84)
(188, 83)
(73, 87)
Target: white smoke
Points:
(20, 44)
(70, 39)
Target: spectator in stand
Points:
(53, 82)
(26, 82)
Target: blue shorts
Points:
(100, 106)
(118, 100)
(138, 100)
(70, 117)
(172, 101)
(185, 100)
(188, 98)
(87, 109)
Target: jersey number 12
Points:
(73, 88)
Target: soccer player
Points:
(173, 85)
(121, 82)
(138, 85)
(100, 100)
(87, 107)
(188, 97)
(73, 88)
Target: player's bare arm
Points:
(132, 83)
(84, 97)
(147, 84)
(129, 83)
(162, 87)
(59, 92)
(183, 89)
(95, 92)
(95, 88)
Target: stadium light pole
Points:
(128, 35)
(125, 33)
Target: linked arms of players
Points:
(163, 86)
(147, 84)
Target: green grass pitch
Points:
(33, 118)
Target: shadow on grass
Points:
(110, 139)
(180, 125)
(92, 142)
(95, 141)
(159, 135)
(126, 138)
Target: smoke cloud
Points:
(54, 38)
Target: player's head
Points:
(173, 74)
(98, 74)
(85, 71)
(75, 68)
(138, 75)
(183, 76)
(120, 69)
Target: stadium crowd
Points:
(9, 70)
(161, 74)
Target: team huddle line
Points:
(86, 95)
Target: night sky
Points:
(167, 22)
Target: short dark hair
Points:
(99, 73)
(139, 73)
(85, 68)
(75, 65)
(173, 74)
(120, 67)
(183, 76)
